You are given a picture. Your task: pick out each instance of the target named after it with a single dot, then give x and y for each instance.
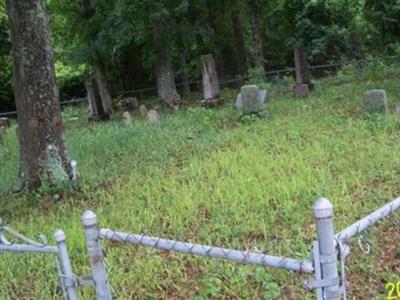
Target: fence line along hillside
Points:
(281, 81)
(326, 262)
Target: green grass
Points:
(201, 175)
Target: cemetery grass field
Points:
(203, 176)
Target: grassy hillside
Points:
(203, 176)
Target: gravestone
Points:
(2, 133)
(301, 90)
(375, 101)
(143, 110)
(127, 118)
(152, 116)
(251, 99)
(130, 103)
(210, 81)
(398, 110)
(303, 76)
(5, 122)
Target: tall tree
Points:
(256, 26)
(239, 40)
(44, 156)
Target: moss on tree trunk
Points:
(44, 155)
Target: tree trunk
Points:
(185, 77)
(210, 79)
(239, 41)
(95, 104)
(104, 91)
(301, 65)
(44, 156)
(256, 29)
(166, 88)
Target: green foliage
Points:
(202, 176)
(257, 76)
(5, 63)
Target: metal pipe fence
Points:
(59, 252)
(326, 262)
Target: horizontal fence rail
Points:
(28, 249)
(277, 84)
(63, 264)
(369, 220)
(327, 262)
(209, 251)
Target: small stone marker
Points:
(5, 122)
(251, 99)
(152, 116)
(375, 101)
(301, 90)
(143, 110)
(2, 132)
(130, 103)
(398, 110)
(127, 118)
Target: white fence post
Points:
(323, 213)
(67, 277)
(99, 272)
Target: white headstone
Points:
(251, 99)
(152, 116)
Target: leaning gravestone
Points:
(375, 101)
(251, 99)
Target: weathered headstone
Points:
(303, 76)
(143, 110)
(210, 81)
(263, 95)
(251, 99)
(152, 116)
(127, 118)
(301, 90)
(130, 103)
(5, 122)
(398, 110)
(375, 101)
(2, 133)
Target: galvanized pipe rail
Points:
(369, 220)
(245, 257)
(66, 277)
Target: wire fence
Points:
(327, 262)
(281, 81)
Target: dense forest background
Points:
(126, 39)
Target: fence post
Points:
(99, 272)
(323, 213)
(67, 277)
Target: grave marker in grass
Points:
(210, 81)
(375, 101)
(251, 100)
